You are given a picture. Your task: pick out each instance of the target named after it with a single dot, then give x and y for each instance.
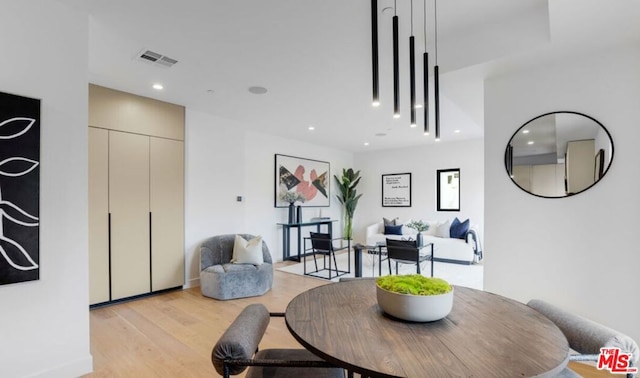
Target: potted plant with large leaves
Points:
(348, 198)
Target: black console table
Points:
(286, 235)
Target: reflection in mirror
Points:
(559, 154)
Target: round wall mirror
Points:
(559, 154)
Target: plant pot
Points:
(415, 308)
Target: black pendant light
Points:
(425, 72)
(396, 70)
(412, 71)
(436, 79)
(374, 53)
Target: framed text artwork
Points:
(297, 177)
(396, 190)
(19, 188)
(448, 184)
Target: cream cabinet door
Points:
(167, 213)
(129, 208)
(98, 215)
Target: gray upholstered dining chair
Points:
(237, 349)
(585, 336)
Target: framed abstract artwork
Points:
(19, 189)
(297, 177)
(396, 190)
(448, 185)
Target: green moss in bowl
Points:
(414, 284)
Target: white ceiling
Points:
(314, 57)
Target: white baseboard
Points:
(192, 282)
(75, 368)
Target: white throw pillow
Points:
(443, 229)
(247, 252)
(433, 228)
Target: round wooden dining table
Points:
(485, 335)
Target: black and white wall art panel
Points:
(19, 188)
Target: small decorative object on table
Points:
(419, 226)
(414, 297)
(292, 197)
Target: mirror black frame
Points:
(599, 158)
(439, 175)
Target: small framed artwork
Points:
(448, 189)
(304, 182)
(19, 189)
(396, 190)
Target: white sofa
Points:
(445, 249)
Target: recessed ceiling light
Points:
(258, 90)
(530, 142)
(418, 106)
(525, 131)
(157, 86)
(456, 131)
(366, 143)
(311, 128)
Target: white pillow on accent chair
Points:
(247, 251)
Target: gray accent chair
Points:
(237, 348)
(221, 279)
(585, 336)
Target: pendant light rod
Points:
(425, 73)
(436, 89)
(436, 73)
(412, 72)
(374, 53)
(396, 70)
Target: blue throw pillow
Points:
(393, 230)
(459, 229)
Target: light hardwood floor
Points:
(171, 335)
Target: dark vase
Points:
(419, 239)
(299, 214)
(292, 213)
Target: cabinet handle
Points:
(109, 254)
(150, 254)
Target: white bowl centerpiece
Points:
(414, 297)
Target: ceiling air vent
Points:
(154, 58)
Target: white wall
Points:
(581, 252)
(422, 162)
(44, 324)
(224, 161)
